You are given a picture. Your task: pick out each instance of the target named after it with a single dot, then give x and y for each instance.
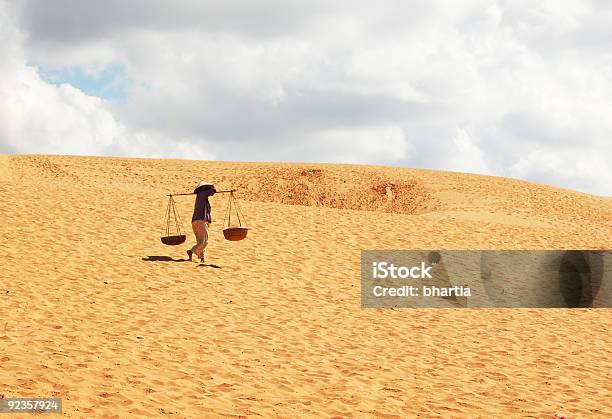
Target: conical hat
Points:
(202, 185)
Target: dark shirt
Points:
(201, 210)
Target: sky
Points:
(519, 89)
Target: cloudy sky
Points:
(509, 88)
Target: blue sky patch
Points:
(111, 83)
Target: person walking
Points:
(201, 219)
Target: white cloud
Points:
(38, 117)
(465, 155)
(362, 146)
(588, 170)
(505, 88)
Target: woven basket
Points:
(235, 233)
(174, 240)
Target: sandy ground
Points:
(97, 311)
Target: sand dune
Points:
(97, 311)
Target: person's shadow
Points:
(208, 265)
(162, 259)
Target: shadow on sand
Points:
(208, 265)
(170, 259)
(162, 259)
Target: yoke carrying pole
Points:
(191, 193)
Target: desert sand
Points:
(97, 311)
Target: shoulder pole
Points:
(179, 194)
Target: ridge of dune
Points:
(97, 311)
(375, 188)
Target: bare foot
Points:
(189, 253)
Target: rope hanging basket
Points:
(174, 240)
(233, 232)
(173, 232)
